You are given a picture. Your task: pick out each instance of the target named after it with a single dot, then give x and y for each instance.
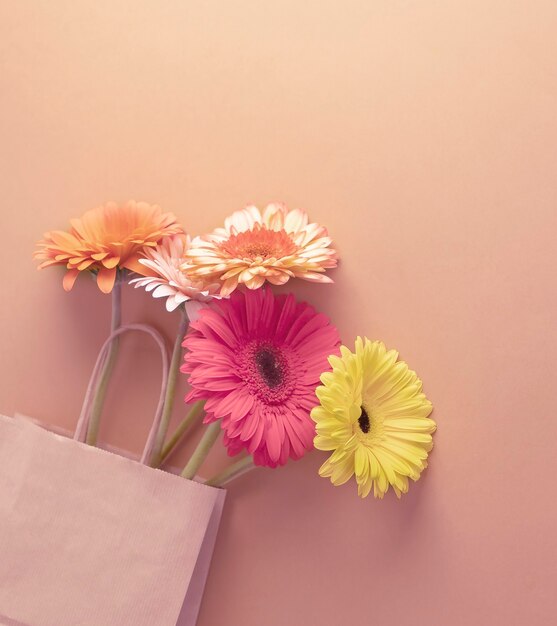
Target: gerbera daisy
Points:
(256, 360)
(374, 417)
(106, 239)
(162, 276)
(253, 247)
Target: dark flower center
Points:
(269, 366)
(363, 421)
(270, 371)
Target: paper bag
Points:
(92, 538)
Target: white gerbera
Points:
(164, 278)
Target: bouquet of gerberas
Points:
(265, 369)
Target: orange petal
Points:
(69, 279)
(111, 262)
(105, 279)
(85, 264)
(133, 264)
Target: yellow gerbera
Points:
(374, 416)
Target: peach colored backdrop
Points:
(424, 134)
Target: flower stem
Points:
(156, 459)
(100, 393)
(195, 411)
(203, 447)
(230, 473)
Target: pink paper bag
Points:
(90, 538)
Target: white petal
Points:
(192, 309)
(163, 290)
(171, 304)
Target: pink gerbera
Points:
(256, 359)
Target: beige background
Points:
(423, 133)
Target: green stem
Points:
(100, 393)
(195, 411)
(203, 447)
(230, 473)
(156, 458)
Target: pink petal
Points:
(272, 439)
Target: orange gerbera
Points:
(106, 239)
(275, 245)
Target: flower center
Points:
(363, 421)
(267, 370)
(269, 367)
(257, 249)
(370, 428)
(260, 243)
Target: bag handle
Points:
(83, 422)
